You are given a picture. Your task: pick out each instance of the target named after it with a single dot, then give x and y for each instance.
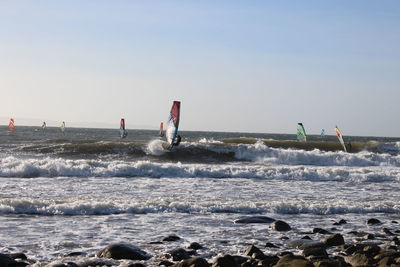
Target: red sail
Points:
(11, 125)
(175, 110)
(122, 124)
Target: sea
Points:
(84, 189)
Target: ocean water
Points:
(86, 189)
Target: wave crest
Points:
(49, 167)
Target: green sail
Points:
(301, 132)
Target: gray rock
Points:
(270, 245)
(321, 231)
(371, 250)
(225, 261)
(315, 252)
(387, 261)
(171, 238)
(328, 263)
(123, 251)
(193, 262)
(89, 262)
(280, 226)
(195, 246)
(293, 261)
(357, 260)
(135, 265)
(269, 260)
(334, 240)
(386, 231)
(312, 244)
(165, 263)
(75, 254)
(253, 250)
(178, 254)
(368, 236)
(373, 221)
(6, 261)
(255, 219)
(239, 259)
(354, 248)
(67, 264)
(305, 243)
(383, 254)
(20, 256)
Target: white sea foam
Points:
(98, 207)
(259, 152)
(209, 141)
(155, 147)
(50, 167)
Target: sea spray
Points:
(155, 147)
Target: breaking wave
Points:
(77, 207)
(210, 151)
(50, 167)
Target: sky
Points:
(240, 66)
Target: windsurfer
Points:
(177, 141)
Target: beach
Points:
(83, 191)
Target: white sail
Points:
(340, 137)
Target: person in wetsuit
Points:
(177, 140)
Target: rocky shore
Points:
(333, 247)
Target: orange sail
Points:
(161, 129)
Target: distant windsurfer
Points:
(349, 146)
(122, 132)
(171, 132)
(161, 134)
(62, 127)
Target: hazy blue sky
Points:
(255, 66)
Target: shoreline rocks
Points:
(344, 248)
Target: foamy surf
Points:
(144, 205)
(156, 147)
(58, 167)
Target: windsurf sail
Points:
(161, 129)
(44, 126)
(301, 132)
(11, 125)
(340, 136)
(122, 132)
(171, 132)
(322, 132)
(62, 127)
